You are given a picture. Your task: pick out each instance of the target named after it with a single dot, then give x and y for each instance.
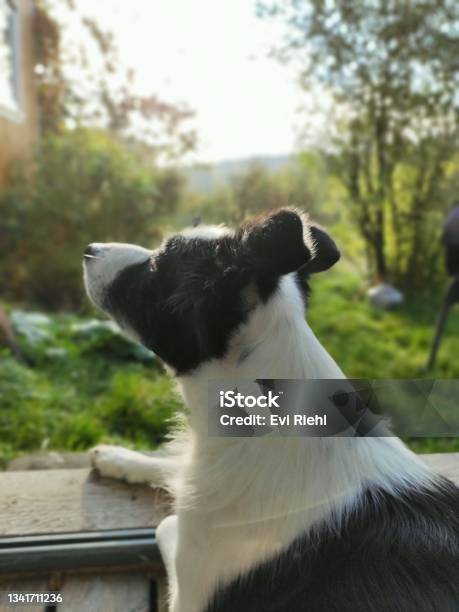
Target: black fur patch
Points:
(188, 301)
(393, 554)
(184, 304)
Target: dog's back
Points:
(392, 553)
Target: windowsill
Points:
(15, 116)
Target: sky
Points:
(213, 56)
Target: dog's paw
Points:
(117, 462)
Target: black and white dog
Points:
(270, 524)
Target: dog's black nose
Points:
(91, 250)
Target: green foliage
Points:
(368, 343)
(392, 70)
(379, 344)
(77, 394)
(304, 182)
(138, 408)
(43, 338)
(84, 186)
(255, 191)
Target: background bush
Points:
(83, 186)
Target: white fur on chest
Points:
(242, 501)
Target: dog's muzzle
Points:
(94, 250)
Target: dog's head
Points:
(186, 299)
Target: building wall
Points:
(19, 134)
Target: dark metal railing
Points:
(76, 551)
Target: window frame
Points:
(15, 114)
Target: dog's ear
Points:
(326, 253)
(276, 243)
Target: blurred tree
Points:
(305, 182)
(83, 84)
(392, 68)
(302, 182)
(84, 186)
(254, 191)
(214, 207)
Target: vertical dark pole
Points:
(439, 333)
(451, 297)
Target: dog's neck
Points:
(277, 342)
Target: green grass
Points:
(94, 391)
(368, 343)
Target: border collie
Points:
(281, 524)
